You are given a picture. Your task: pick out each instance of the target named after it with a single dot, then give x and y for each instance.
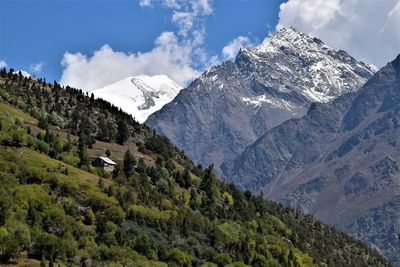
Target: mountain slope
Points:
(156, 209)
(340, 162)
(140, 96)
(229, 106)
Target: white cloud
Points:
(36, 67)
(368, 30)
(232, 48)
(179, 55)
(145, 3)
(106, 66)
(3, 64)
(188, 15)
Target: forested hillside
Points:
(156, 208)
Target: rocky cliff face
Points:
(229, 106)
(340, 162)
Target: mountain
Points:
(229, 106)
(140, 96)
(340, 162)
(156, 209)
(23, 73)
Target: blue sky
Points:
(35, 32)
(89, 44)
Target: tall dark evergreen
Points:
(84, 159)
(122, 132)
(129, 164)
(209, 186)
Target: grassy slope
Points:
(99, 148)
(83, 184)
(17, 113)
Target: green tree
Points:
(3, 210)
(105, 130)
(144, 246)
(14, 238)
(102, 130)
(179, 257)
(193, 199)
(209, 185)
(5, 240)
(187, 179)
(46, 246)
(111, 131)
(32, 217)
(141, 167)
(129, 164)
(84, 159)
(122, 132)
(43, 122)
(68, 145)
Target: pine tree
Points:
(84, 159)
(187, 179)
(129, 164)
(111, 131)
(122, 132)
(43, 123)
(102, 130)
(3, 73)
(209, 185)
(141, 167)
(193, 199)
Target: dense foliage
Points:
(56, 207)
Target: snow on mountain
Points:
(140, 96)
(231, 105)
(323, 73)
(23, 73)
(339, 162)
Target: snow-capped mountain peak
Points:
(140, 95)
(231, 105)
(306, 65)
(288, 37)
(24, 73)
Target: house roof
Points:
(107, 160)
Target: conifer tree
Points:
(209, 185)
(122, 132)
(129, 164)
(82, 152)
(193, 199)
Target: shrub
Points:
(222, 259)
(42, 146)
(179, 257)
(55, 119)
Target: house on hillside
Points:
(105, 163)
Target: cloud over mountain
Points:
(232, 48)
(368, 30)
(3, 64)
(177, 54)
(106, 66)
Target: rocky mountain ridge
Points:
(340, 162)
(229, 106)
